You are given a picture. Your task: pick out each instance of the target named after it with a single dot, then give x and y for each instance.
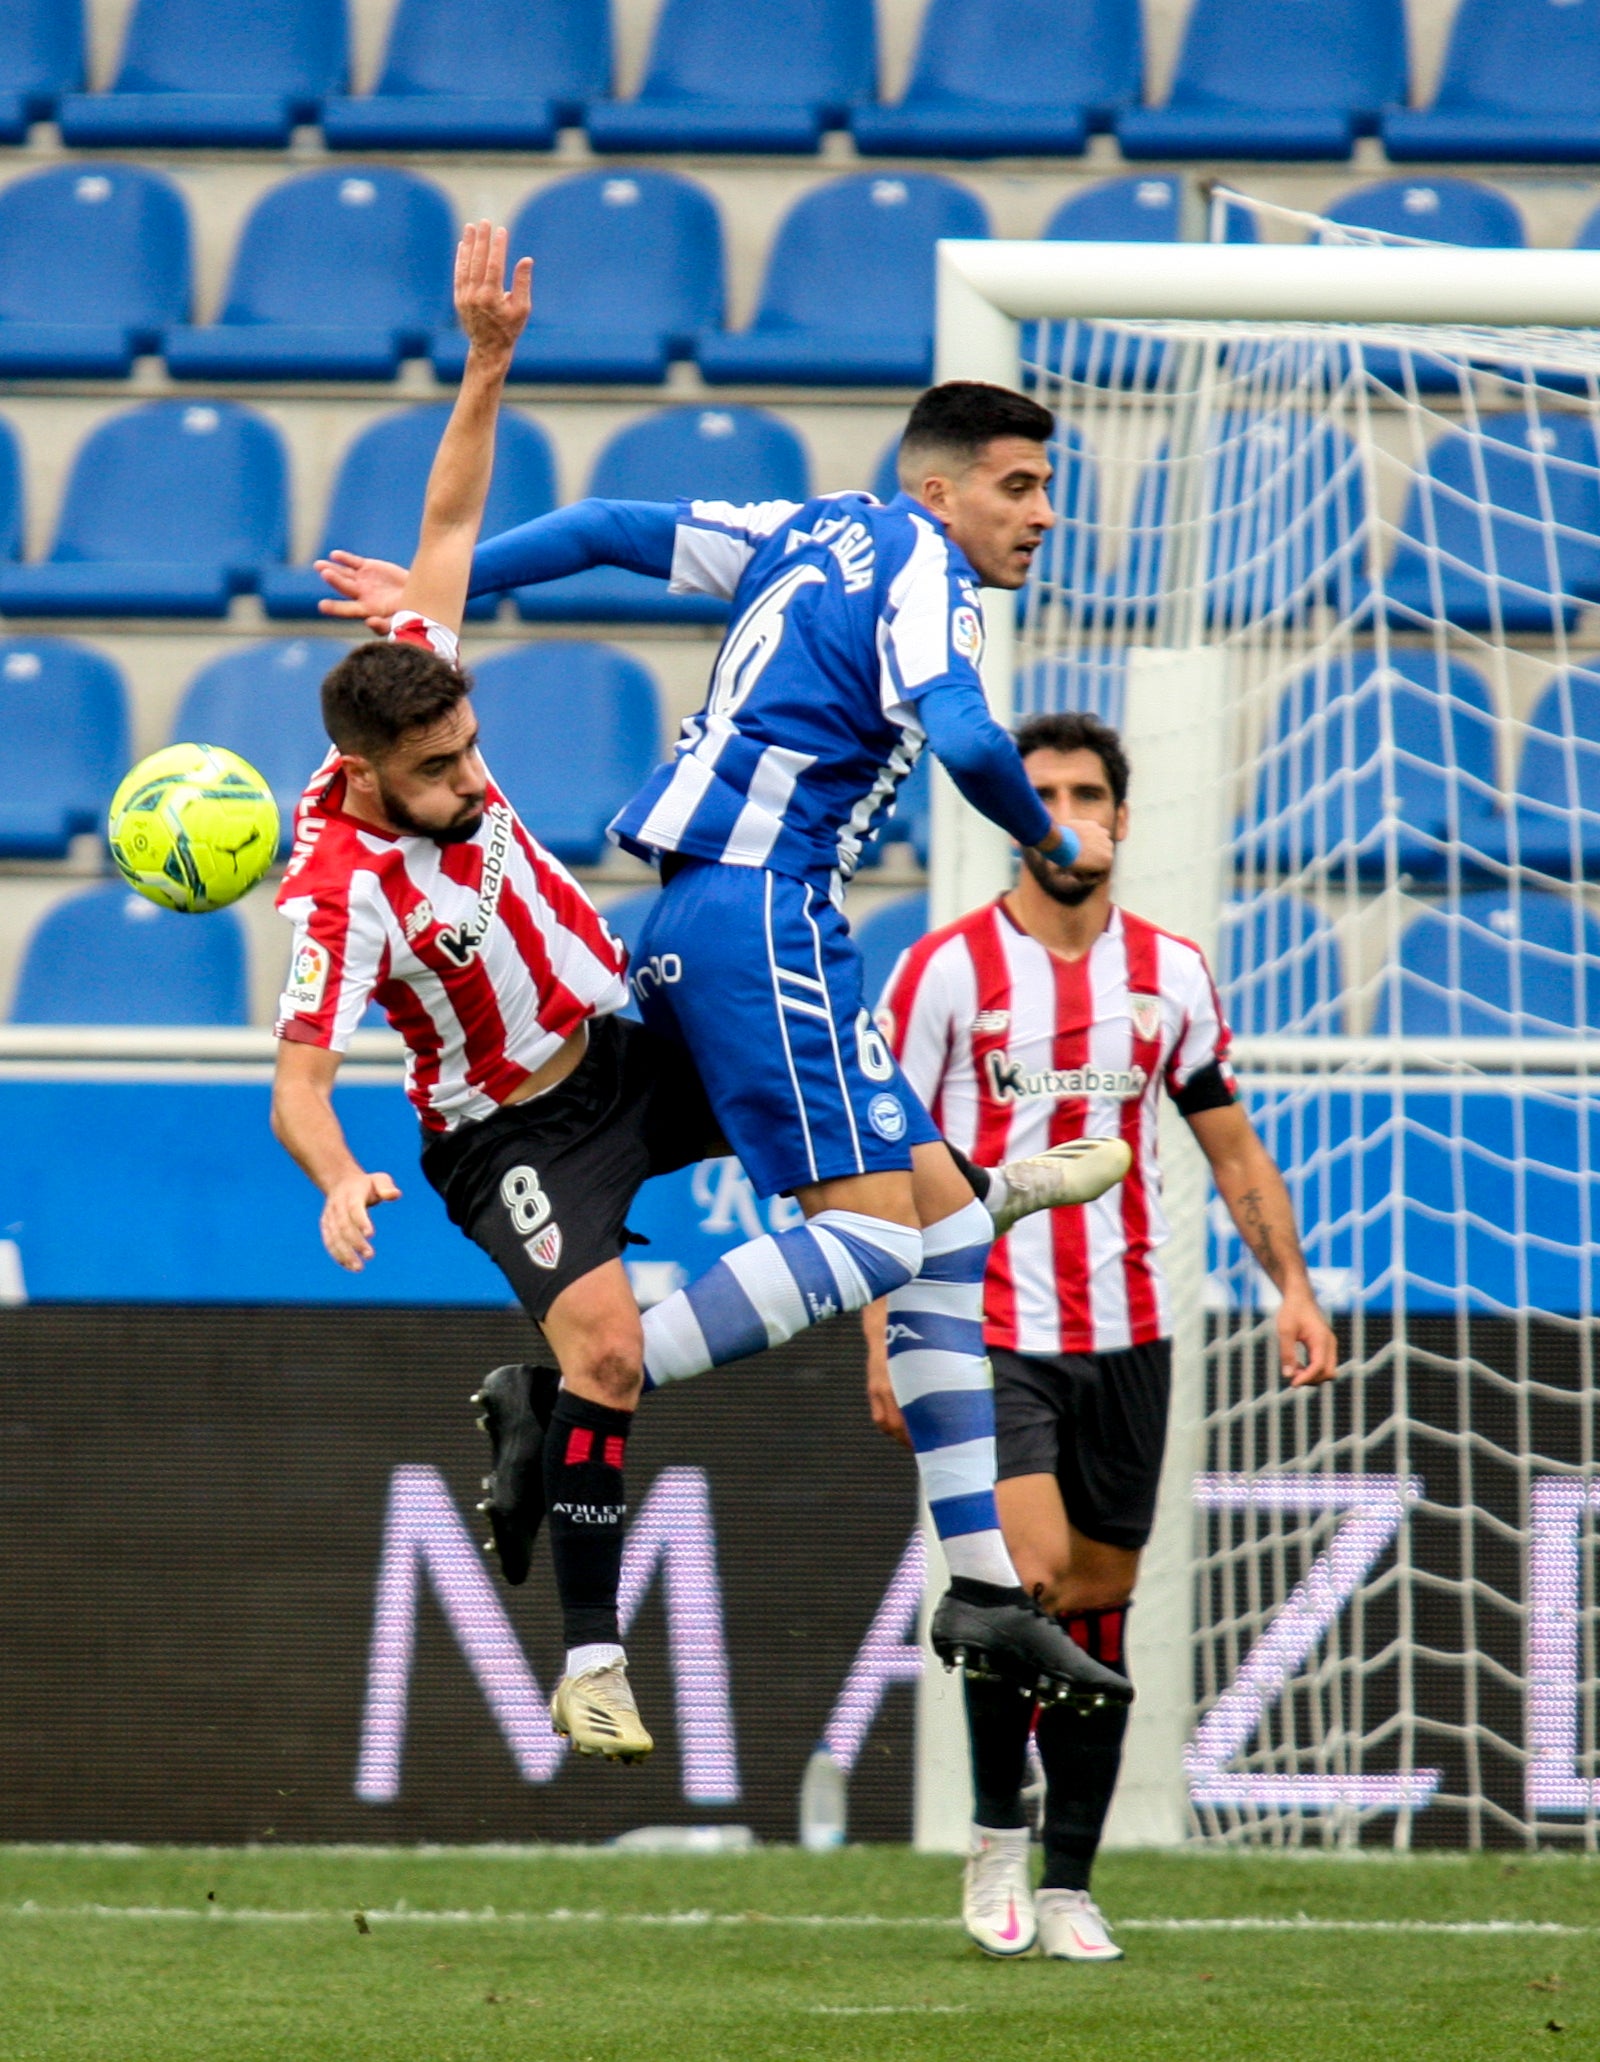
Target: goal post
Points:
(1363, 1606)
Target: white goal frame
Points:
(985, 291)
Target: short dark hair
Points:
(1075, 730)
(380, 691)
(963, 415)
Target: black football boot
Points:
(515, 1404)
(999, 1633)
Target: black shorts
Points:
(544, 1187)
(1097, 1422)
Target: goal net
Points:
(1338, 579)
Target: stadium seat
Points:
(376, 507)
(629, 271)
(881, 938)
(170, 510)
(41, 58)
(215, 73)
(1375, 768)
(1290, 528)
(570, 731)
(1028, 79)
(63, 743)
(727, 76)
(338, 275)
(264, 703)
(1064, 567)
(11, 495)
(479, 75)
(1280, 968)
(1474, 535)
(94, 265)
(1275, 79)
(1493, 965)
(107, 956)
(1521, 81)
(1553, 826)
(848, 296)
(702, 454)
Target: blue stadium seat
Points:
(1291, 531)
(170, 509)
(215, 73)
(848, 296)
(338, 275)
(1280, 968)
(1553, 826)
(883, 936)
(702, 454)
(570, 732)
(1365, 758)
(1028, 79)
(1494, 965)
(94, 265)
(727, 76)
(1064, 567)
(1275, 79)
(1474, 536)
(264, 703)
(629, 271)
(11, 495)
(63, 743)
(886, 479)
(1521, 81)
(41, 58)
(376, 507)
(107, 956)
(479, 75)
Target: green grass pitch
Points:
(161, 1955)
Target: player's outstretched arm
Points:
(1249, 1183)
(982, 761)
(303, 1122)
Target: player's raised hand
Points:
(347, 1217)
(1095, 847)
(368, 589)
(492, 318)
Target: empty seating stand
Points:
(215, 73)
(376, 508)
(848, 294)
(892, 928)
(1029, 78)
(1474, 544)
(1521, 81)
(570, 732)
(264, 703)
(108, 956)
(170, 510)
(338, 275)
(480, 75)
(41, 58)
(1553, 826)
(94, 266)
(703, 454)
(1275, 79)
(629, 271)
(63, 743)
(1495, 965)
(1280, 968)
(726, 76)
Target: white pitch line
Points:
(406, 1915)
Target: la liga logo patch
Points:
(966, 634)
(308, 976)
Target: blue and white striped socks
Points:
(768, 1290)
(945, 1390)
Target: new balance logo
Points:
(1011, 1082)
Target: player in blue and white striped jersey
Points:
(856, 636)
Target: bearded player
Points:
(1044, 1015)
(855, 640)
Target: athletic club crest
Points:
(1145, 1010)
(545, 1250)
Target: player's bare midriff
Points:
(555, 1069)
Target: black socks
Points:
(1082, 1754)
(583, 1455)
(998, 1722)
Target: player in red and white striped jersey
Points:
(1046, 1016)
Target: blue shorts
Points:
(757, 974)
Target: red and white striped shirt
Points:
(1013, 1049)
(485, 955)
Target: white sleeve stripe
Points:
(919, 598)
(708, 562)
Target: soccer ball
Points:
(193, 827)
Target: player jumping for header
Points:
(855, 640)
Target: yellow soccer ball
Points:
(193, 827)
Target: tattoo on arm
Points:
(1250, 1214)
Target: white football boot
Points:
(596, 1712)
(996, 1899)
(1075, 1172)
(1072, 1928)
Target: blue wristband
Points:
(1066, 853)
